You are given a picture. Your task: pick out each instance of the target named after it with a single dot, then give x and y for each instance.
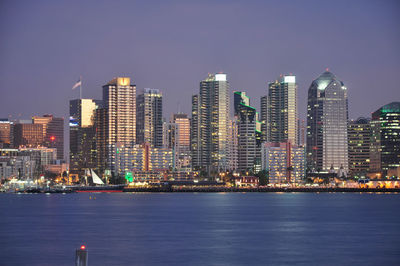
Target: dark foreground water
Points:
(201, 229)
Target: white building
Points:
(284, 161)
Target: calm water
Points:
(201, 229)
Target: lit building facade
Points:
(327, 116)
(82, 134)
(195, 133)
(301, 132)
(279, 110)
(101, 129)
(26, 162)
(142, 157)
(149, 118)
(177, 138)
(20, 167)
(232, 145)
(385, 142)
(6, 133)
(246, 117)
(210, 127)
(284, 162)
(259, 141)
(53, 132)
(359, 135)
(116, 121)
(264, 116)
(29, 135)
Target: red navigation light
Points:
(83, 247)
(52, 138)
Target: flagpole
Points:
(80, 89)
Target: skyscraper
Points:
(359, 135)
(327, 115)
(301, 132)
(195, 133)
(181, 145)
(385, 142)
(6, 133)
(28, 135)
(246, 117)
(101, 128)
(210, 114)
(279, 110)
(116, 121)
(232, 145)
(53, 131)
(149, 118)
(82, 134)
(264, 117)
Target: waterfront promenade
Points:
(261, 189)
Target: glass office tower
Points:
(246, 121)
(327, 116)
(82, 141)
(385, 142)
(359, 135)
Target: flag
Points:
(77, 84)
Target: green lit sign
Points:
(129, 177)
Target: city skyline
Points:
(250, 63)
(227, 132)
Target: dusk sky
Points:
(172, 45)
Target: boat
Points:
(96, 184)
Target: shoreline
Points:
(173, 189)
(265, 190)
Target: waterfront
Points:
(201, 228)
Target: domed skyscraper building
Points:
(327, 116)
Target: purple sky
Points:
(172, 45)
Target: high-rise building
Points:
(101, 129)
(169, 132)
(246, 117)
(149, 118)
(82, 134)
(195, 133)
(284, 162)
(210, 114)
(264, 117)
(181, 141)
(232, 145)
(279, 110)
(385, 142)
(301, 132)
(28, 135)
(53, 131)
(327, 116)
(259, 141)
(359, 134)
(6, 133)
(116, 121)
